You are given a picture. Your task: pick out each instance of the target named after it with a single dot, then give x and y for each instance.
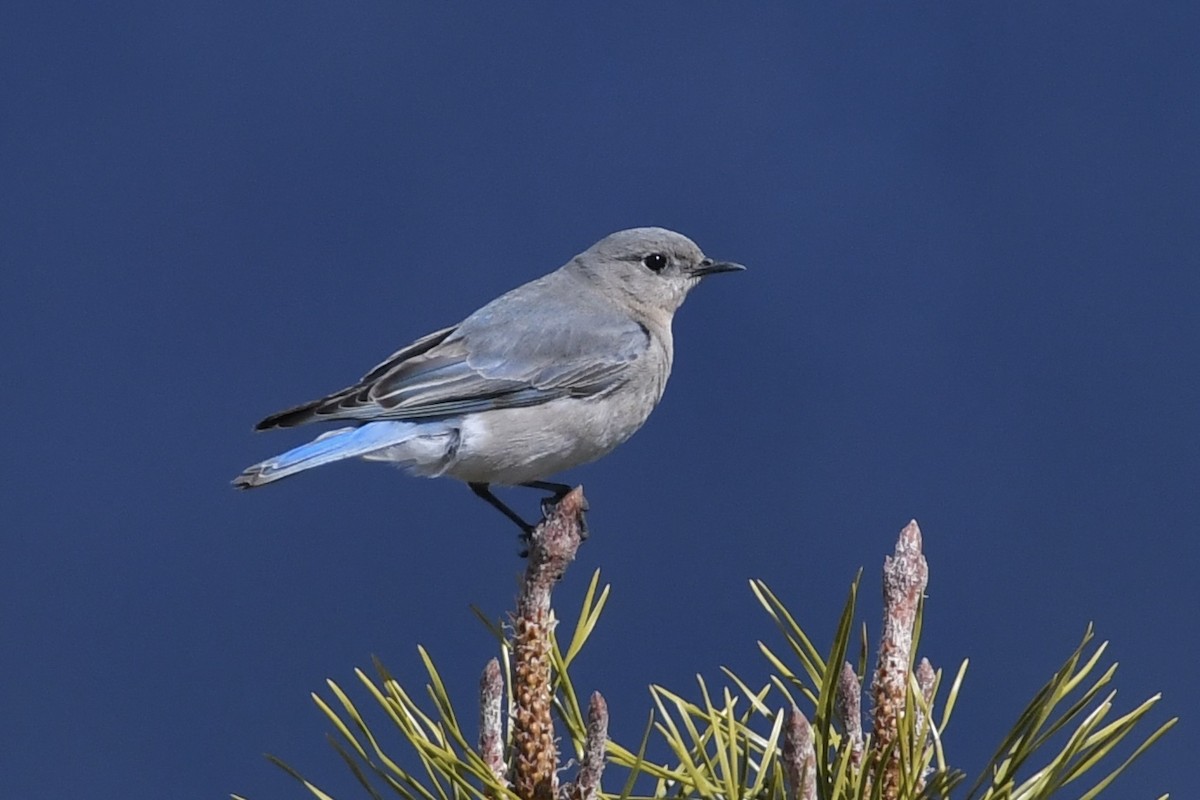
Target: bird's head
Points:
(652, 268)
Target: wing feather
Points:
(532, 345)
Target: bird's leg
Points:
(482, 490)
(557, 492)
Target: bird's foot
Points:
(524, 539)
(549, 504)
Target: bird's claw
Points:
(549, 504)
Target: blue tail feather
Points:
(333, 446)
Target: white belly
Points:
(517, 445)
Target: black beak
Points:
(710, 267)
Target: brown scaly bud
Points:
(552, 547)
(849, 710)
(926, 679)
(587, 784)
(905, 575)
(799, 757)
(491, 735)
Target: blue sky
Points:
(973, 299)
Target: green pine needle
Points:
(727, 743)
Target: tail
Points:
(332, 446)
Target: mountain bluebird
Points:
(551, 375)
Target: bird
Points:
(548, 376)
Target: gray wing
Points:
(527, 347)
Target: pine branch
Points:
(491, 733)
(552, 548)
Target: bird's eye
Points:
(656, 262)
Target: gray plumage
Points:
(548, 376)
